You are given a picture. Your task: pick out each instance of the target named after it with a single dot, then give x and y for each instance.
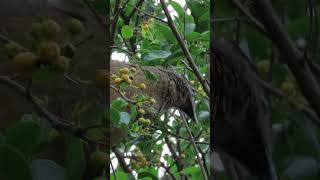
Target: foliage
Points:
(151, 42)
(295, 136)
(73, 144)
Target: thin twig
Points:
(148, 14)
(205, 176)
(184, 48)
(121, 94)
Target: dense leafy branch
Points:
(184, 48)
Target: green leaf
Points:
(204, 115)
(143, 175)
(177, 7)
(91, 114)
(302, 168)
(119, 175)
(74, 158)
(44, 75)
(44, 169)
(133, 111)
(166, 32)
(124, 118)
(193, 36)
(13, 165)
(150, 75)
(127, 32)
(25, 136)
(299, 28)
(197, 11)
(115, 115)
(156, 54)
(101, 6)
(119, 104)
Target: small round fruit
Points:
(61, 64)
(11, 49)
(288, 88)
(125, 77)
(117, 80)
(113, 76)
(74, 26)
(192, 82)
(37, 30)
(141, 111)
(139, 104)
(141, 120)
(142, 86)
(133, 69)
(158, 162)
(133, 164)
(183, 156)
(101, 77)
(152, 101)
(124, 71)
(147, 122)
(25, 61)
(129, 81)
(53, 134)
(49, 51)
(201, 91)
(136, 150)
(51, 29)
(99, 158)
(263, 66)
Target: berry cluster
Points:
(47, 51)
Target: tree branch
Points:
(184, 48)
(294, 58)
(205, 176)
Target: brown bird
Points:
(169, 90)
(241, 126)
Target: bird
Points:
(169, 90)
(240, 127)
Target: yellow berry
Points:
(288, 88)
(141, 120)
(158, 162)
(11, 49)
(263, 66)
(25, 61)
(49, 51)
(201, 91)
(183, 156)
(153, 101)
(53, 134)
(125, 77)
(141, 111)
(113, 77)
(192, 82)
(37, 30)
(147, 122)
(51, 29)
(133, 69)
(124, 71)
(142, 86)
(61, 64)
(129, 81)
(136, 150)
(74, 26)
(117, 80)
(99, 158)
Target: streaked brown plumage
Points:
(241, 124)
